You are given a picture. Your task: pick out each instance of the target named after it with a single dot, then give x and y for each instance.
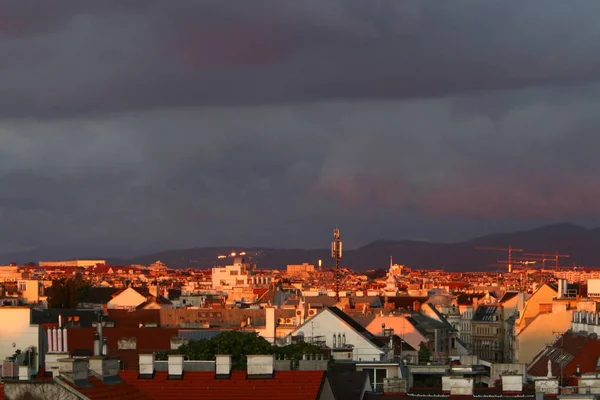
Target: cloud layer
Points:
(156, 124)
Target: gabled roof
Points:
(441, 318)
(571, 349)
(289, 385)
(357, 327)
(508, 296)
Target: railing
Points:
(316, 340)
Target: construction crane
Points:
(543, 257)
(508, 249)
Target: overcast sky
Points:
(147, 125)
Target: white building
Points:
(72, 263)
(338, 331)
(130, 299)
(240, 275)
(16, 331)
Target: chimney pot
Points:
(260, 366)
(146, 362)
(175, 365)
(223, 364)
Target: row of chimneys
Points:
(57, 340)
(260, 366)
(78, 370)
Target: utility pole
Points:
(336, 254)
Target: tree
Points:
(424, 353)
(66, 293)
(237, 344)
(297, 350)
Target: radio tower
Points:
(336, 254)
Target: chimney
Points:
(416, 306)
(59, 340)
(260, 366)
(75, 370)
(282, 363)
(223, 366)
(146, 362)
(561, 289)
(97, 348)
(50, 341)
(512, 383)
(270, 323)
(175, 366)
(65, 341)
(461, 386)
(314, 363)
(105, 368)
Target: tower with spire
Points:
(391, 285)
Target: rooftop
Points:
(292, 385)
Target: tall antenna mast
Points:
(336, 254)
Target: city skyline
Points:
(146, 126)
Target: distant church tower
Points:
(391, 285)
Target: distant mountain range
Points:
(581, 243)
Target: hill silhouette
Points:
(566, 238)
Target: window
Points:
(380, 374)
(376, 377)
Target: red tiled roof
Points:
(148, 340)
(582, 350)
(101, 391)
(2, 397)
(291, 385)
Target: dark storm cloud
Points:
(430, 169)
(94, 57)
(151, 125)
